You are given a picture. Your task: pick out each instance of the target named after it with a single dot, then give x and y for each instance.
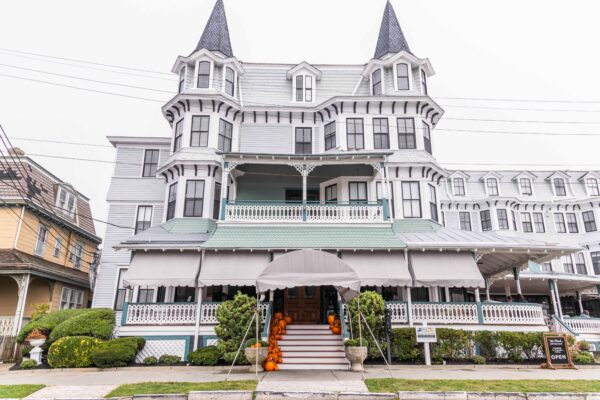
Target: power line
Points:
(521, 100)
(523, 121)
(63, 142)
(521, 109)
(86, 79)
(87, 62)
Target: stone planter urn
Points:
(36, 353)
(251, 354)
(356, 355)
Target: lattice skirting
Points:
(158, 346)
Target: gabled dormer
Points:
(591, 182)
(524, 181)
(491, 183)
(458, 183)
(303, 79)
(559, 182)
(66, 200)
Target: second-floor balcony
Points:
(310, 212)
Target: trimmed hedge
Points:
(48, 322)
(206, 356)
(98, 323)
(169, 359)
(117, 352)
(72, 352)
(404, 345)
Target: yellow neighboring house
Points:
(48, 244)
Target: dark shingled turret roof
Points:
(216, 33)
(391, 39)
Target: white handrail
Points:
(449, 313)
(582, 325)
(161, 314)
(513, 313)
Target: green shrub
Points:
(478, 360)
(512, 345)
(583, 345)
(487, 343)
(404, 344)
(117, 352)
(233, 317)
(533, 344)
(356, 342)
(452, 344)
(251, 342)
(150, 360)
(72, 351)
(206, 356)
(39, 310)
(372, 307)
(28, 364)
(98, 323)
(168, 359)
(48, 322)
(583, 358)
(25, 350)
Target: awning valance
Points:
(155, 269)
(309, 267)
(240, 268)
(379, 268)
(445, 269)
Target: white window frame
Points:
(410, 78)
(211, 74)
(521, 188)
(57, 248)
(180, 87)
(235, 82)
(137, 214)
(453, 187)
(587, 186)
(552, 182)
(65, 208)
(40, 245)
(312, 138)
(382, 81)
(67, 301)
(294, 87)
(485, 184)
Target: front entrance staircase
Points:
(312, 347)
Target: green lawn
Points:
(440, 385)
(18, 391)
(178, 387)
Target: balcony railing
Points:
(579, 325)
(262, 211)
(174, 313)
(6, 325)
(467, 313)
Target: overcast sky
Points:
(509, 49)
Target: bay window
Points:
(194, 198)
(486, 220)
(229, 81)
(330, 131)
(355, 134)
(406, 133)
(411, 200)
(225, 135)
(381, 137)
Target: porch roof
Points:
(178, 233)
(290, 237)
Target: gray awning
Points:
(309, 268)
(155, 269)
(240, 268)
(379, 268)
(445, 269)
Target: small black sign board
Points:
(557, 351)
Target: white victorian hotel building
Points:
(303, 182)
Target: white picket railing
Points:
(582, 325)
(445, 313)
(160, 314)
(6, 325)
(513, 314)
(398, 310)
(175, 313)
(295, 212)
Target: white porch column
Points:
(304, 184)
(477, 296)
(487, 290)
(271, 295)
(434, 293)
(409, 306)
(507, 289)
(199, 293)
(516, 274)
(560, 311)
(23, 284)
(447, 293)
(579, 302)
(224, 184)
(555, 297)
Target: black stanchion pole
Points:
(388, 332)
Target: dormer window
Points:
(182, 79)
(525, 187)
(402, 77)
(560, 188)
(304, 88)
(458, 186)
(203, 75)
(376, 87)
(66, 203)
(592, 186)
(424, 81)
(230, 81)
(491, 185)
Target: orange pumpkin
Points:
(330, 319)
(336, 330)
(270, 366)
(282, 324)
(288, 319)
(278, 315)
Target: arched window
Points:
(376, 83)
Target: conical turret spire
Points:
(391, 39)
(216, 33)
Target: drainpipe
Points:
(579, 302)
(487, 290)
(199, 293)
(304, 183)
(517, 281)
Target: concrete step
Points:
(307, 327)
(315, 360)
(312, 347)
(310, 353)
(309, 332)
(308, 342)
(342, 367)
(313, 336)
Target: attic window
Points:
(402, 76)
(458, 186)
(424, 82)
(203, 74)
(525, 186)
(304, 88)
(376, 87)
(181, 79)
(560, 188)
(491, 185)
(592, 186)
(66, 203)
(229, 81)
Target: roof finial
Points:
(391, 39)
(216, 33)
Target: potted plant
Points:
(355, 353)
(254, 350)
(37, 339)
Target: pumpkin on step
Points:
(288, 319)
(336, 329)
(270, 366)
(330, 318)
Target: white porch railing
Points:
(468, 313)
(174, 313)
(6, 325)
(445, 313)
(296, 212)
(582, 325)
(518, 314)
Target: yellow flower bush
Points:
(72, 352)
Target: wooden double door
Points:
(303, 304)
